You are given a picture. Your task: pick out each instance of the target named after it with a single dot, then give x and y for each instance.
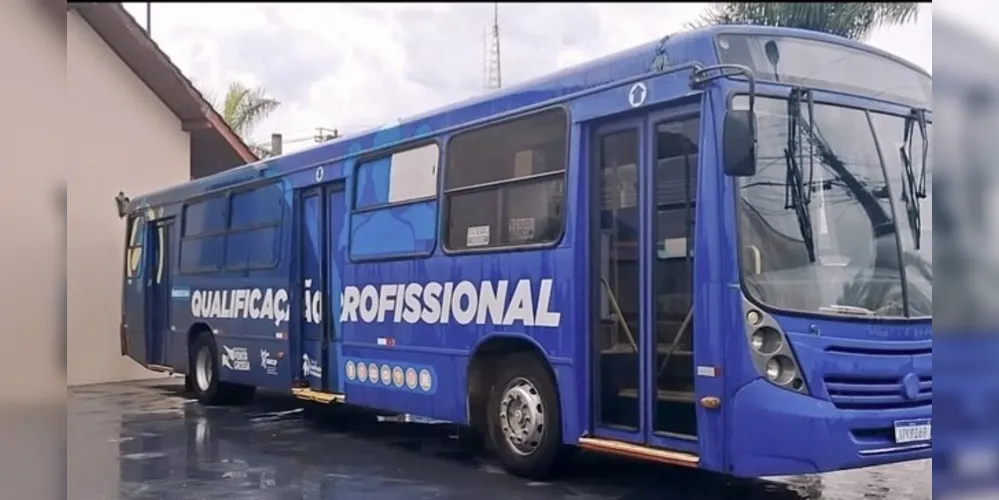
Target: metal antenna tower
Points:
(494, 78)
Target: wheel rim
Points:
(203, 369)
(522, 416)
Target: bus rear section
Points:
(144, 327)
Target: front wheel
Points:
(525, 418)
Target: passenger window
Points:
(257, 207)
(254, 236)
(403, 177)
(504, 183)
(203, 234)
(233, 232)
(206, 216)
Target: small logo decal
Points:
(637, 94)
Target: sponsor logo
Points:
(268, 363)
(311, 367)
(235, 359)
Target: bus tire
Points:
(204, 368)
(524, 418)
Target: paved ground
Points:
(151, 441)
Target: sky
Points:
(356, 66)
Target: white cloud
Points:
(354, 66)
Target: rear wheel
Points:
(524, 418)
(204, 375)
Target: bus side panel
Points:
(400, 352)
(431, 354)
(236, 282)
(714, 268)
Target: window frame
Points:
(222, 267)
(563, 174)
(388, 152)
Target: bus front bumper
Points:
(777, 432)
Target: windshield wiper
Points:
(913, 190)
(848, 310)
(796, 196)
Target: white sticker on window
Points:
(521, 230)
(477, 236)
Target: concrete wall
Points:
(119, 137)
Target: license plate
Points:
(910, 431)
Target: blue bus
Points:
(712, 250)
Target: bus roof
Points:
(680, 48)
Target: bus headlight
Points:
(781, 370)
(770, 351)
(766, 341)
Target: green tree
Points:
(850, 20)
(243, 108)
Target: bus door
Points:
(672, 149)
(642, 169)
(133, 294)
(320, 220)
(616, 161)
(158, 284)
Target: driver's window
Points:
(133, 252)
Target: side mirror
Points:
(121, 201)
(739, 143)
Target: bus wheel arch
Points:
(195, 330)
(497, 360)
(481, 371)
(200, 338)
(192, 334)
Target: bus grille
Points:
(869, 393)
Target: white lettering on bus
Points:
(253, 303)
(500, 303)
(313, 304)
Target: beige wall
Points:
(121, 137)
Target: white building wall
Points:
(121, 137)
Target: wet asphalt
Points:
(152, 441)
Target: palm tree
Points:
(243, 108)
(855, 21)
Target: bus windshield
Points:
(823, 227)
(833, 66)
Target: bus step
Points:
(317, 396)
(668, 349)
(672, 396)
(640, 452)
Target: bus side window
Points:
(504, 183)
(203, 234)
(133, 252)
